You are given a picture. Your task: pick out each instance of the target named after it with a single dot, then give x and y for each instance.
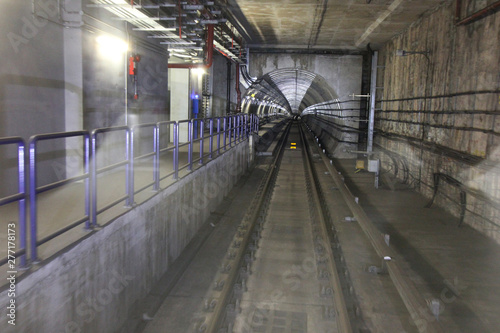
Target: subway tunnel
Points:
(249, 166)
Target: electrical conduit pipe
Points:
(238, 92)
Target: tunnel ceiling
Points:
(299, 85)
(293, 89)
(323, 24)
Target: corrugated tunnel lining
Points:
(295, 89)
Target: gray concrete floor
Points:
(438, 255)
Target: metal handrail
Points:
(95, 171)
(224, 136)
(211, 133)
(232, 127)
(35, 190)
(189, 143)
(20, 197)
(218, 135)
(201, 139)
(159, 150)
(134, 158)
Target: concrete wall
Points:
(454, 135)
(32, 84)
(337, 140)
(93, 286)
(109, 91)
(219, 86)
(55, 79)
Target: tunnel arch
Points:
(287, 91)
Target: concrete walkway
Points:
(456, 265)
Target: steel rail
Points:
(253, 214)
(343, 322)
(412, 298)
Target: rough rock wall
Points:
(437, 113)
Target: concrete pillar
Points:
(179, 98)
(73, 93)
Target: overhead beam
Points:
(385, 14)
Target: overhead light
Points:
(183, 56)
(111, 45)
(198, 71)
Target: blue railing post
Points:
(190, 147)
(234, 129)
(176, 150)
(218, 136)
(202, 139)
(21, 151)
(93, 178)
(242, 127)
(211, 133)
(230, 127)
(237, 120)
(156, 158)
(33, 202)
(224, 133)
(129, 170)
(86, 162)
(129, 167)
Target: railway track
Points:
(281, 268)
(281, 272)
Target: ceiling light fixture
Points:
(111, 46)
